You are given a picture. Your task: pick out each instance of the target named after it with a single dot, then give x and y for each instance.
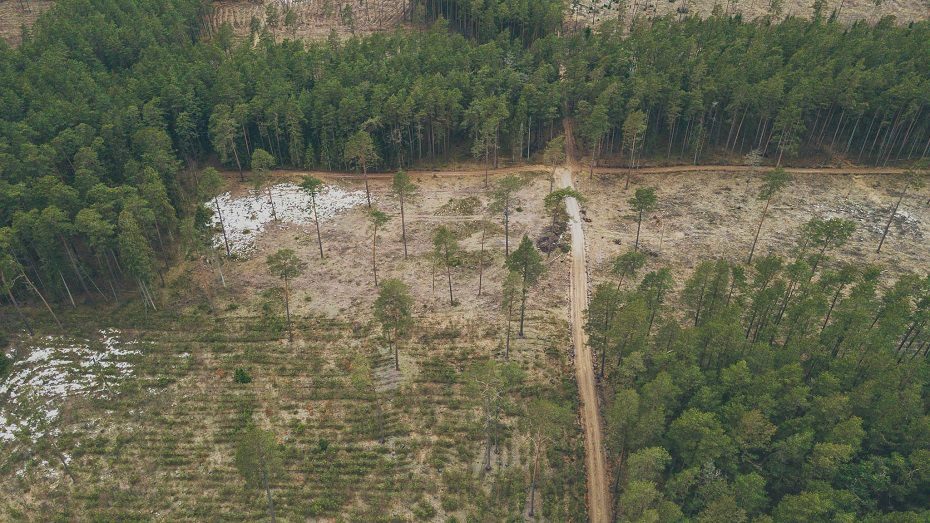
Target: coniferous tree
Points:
(504, 199)
(775, 181)
(360, 150)
(286, 265)
(446, 251)
(913, 179)
(642, 202)
(405, 190)
(512, 291)
(312, 186)
(393, 308)
(377, 219)
(527, 262)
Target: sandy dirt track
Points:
(598, 502)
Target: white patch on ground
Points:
(58, 369)
(245, 217)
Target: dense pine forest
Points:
(786, 389)
(792, 387)
(696, 89)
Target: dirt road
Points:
(476, 172)
(595, 463)
(745, 168)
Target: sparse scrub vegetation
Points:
(172, 347)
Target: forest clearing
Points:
(458, 261)
(200, 363)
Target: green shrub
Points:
(242, 376)
(450, 503)
(424, 511)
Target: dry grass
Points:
(714, 215)
(164, 446)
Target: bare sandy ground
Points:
(315, 20)
(14, 15)
(849, 11)
(713, 214)
(343, 282)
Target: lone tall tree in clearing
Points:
(775, 181)
(503, 200)
(642, 202)
(512, 290)
(377, 219)
(404, 189)
(485, 228)
(286, 265)
(554, 156)
(393, 309)
(258, 459)
(527, 262)
(262, 162)
(312, 186)
(445, 251)
(545, 422)
(360, 149)
(912, 179)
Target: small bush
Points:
(242, 376)
(450, 504)
(424, 511)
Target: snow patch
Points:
(59, 369)
(245, 217)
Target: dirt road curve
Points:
(595, 463)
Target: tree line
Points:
(109, 109)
